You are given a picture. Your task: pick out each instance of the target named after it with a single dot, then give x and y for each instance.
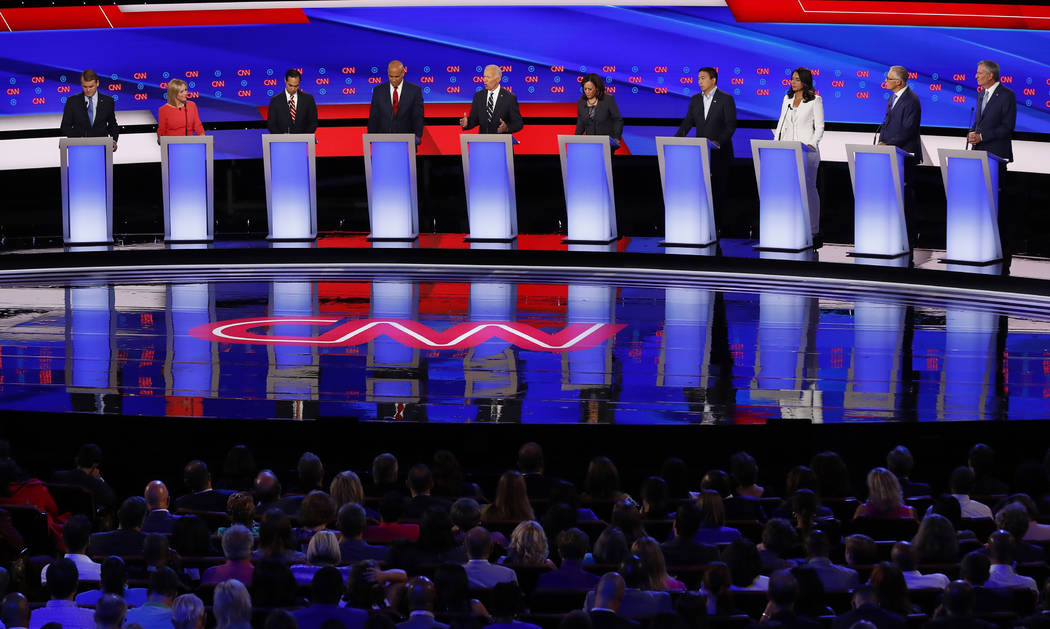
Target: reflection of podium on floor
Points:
(586, 172)
(488, 173)
(780, 168)
(87, 190)
(685, 175)
(877, 362)
(394, 369)
(785, 361)
(969, 388)
(971, 187)
(390, 177)
(294, 372)
(191, 365)
(877, 174)
(291, 185)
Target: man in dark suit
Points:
(87, 474)
(957, 609)
(993, 129)
(570, 575)
(866, 607)
(197, 479)
(325, 591)
(159, 519)
(530, 463)
(683, 550)
(128, 538)
(397, 105)
(494, 109)
(90, 114)
(713, 113)
(420, 481)
(900, 128)
(608, 595)
(421, 594)
(783, 593)
(293, 110)
(900, 462)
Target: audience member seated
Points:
(860, 550)
(345, 488)
(656, 504)
(975, 568)
(1002, 551)
(903, 556)
(654, 568)
(436, 543)
(956, 609)
(636, 602)
(884, 497)
(744, 470)
(511, 501)
(240, 506)
(562, 491)
(267, 491)
(113, 581)
(745, 566)
(159, 519)
(353, 547)
(322, 551)
(982, 462)
(835, 578)
(900, 462)
(735, 507)
(531, 465)
(867, 607)
(233, 606)
(273, 584)
(449, 481)
(712, 520)
(384, 476)
(316, 511)
(602, 482)
(947, 506)
(237, 548)
(420, 594)
(482, 573)
(87, 473)
(507, 603)
(806, 511)
(627, 517)
(683, 549)
(1036, 532)
(366, 585)
(1041, 619)
(832, 475)
(192, 538)
(155, 553)
(62, 585)
(810, 602)
(420, 482)
(110, 612)
(780, 543)
(187, 612)
(238, 469)
(75, 535)
(466, 514)
(389, 529)
(14, 611)
(453, 593)
(528, 546)
(891, 588)
(783, 593)
(201, 497)
(609, 549)
(276, 538)
(572, 546)
(18, 488)
(608, 597)
(1013, 518)
(161, 593)
(936, 541)
(716, 586)
(326, 588)
(962, 485)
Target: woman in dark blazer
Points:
(596, 111)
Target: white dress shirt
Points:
(897, 96)
(919, 581)
(986, 95)
(708, 98)
(1003, 576)
(87, 570)
(398, 90)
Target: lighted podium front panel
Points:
(971, 186)
(291, 185)
(877, 174)
(586, 173)
(685, 175)
(783, 222)
(87, 190)
(488, 174)
(186, 172)
(390, 176)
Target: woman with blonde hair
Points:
(654, 567)
(511, 502)
(179, 116)
(885, 498)
(232, 606)
(322, 551)
(528, 545)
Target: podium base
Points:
(572, 241)
(883, 256)
(970, 262)
(693, 245)
(371, 238)
(510, 239)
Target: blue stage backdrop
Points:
(649, 57)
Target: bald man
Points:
(14, 612)
(494, 109)
(159, 519)
(397, 105)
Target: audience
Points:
(835, 578)
(201, 496)
(187, 612)
(62, 585)
(1002, 552)
(683, 549)
(237, 548)
(233, 606)
(572, 546)
(113, 580)
(901, 463)
(326, 589)
(158, 519)
(76, 534)
(480, 571)
(160, 596)
(903, 557)
(885, 499)
(511, 501)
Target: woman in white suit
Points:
(802, 120)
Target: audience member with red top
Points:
(179, 115)
(884, 497)
(18, 488)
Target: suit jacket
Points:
(421, 621)
(607, 620)
(159, 521)
(900, 127)
(719, 124)
(607, 118)
(506, 109)
(569, 576)
(416, 506)
(880, 617)
(119, 542)
(315, 615)
(638, 603)
(75, 118)
(278, 120)
(682, 551)
(484, 574)
(207, 500)
(996, 123)
(353, 550)
(835, 578)
(104, 494)
(409, 119)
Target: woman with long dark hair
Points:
(802, 120)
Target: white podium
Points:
(390, 177)
(291, 185)
(488, 174)
(877, 174)
(780, 168)
(586, 174)
(87, 190)
(685, 176)
(186, 171)
(971, 185)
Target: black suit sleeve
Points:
(272, 116)
(729, 128)
(373, 110)
(417, 114)
(310, 118)
(580, 107)
(615, 118)
(68, 128)
(1004, 129)
(513, 120)
(688, 122)
(472, 117)
(112, 128)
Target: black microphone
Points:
(973, 123)
(875, 138)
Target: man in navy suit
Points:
(293, 110)
(713, 113)
(325, 591)
(494, 109)
(159, 519)
(993, 128)
(90, 114)
(900, 128)
(397, 105)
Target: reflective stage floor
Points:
(387, 336)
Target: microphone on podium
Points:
(973, 122)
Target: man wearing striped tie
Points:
(495, 108)
(293, 110)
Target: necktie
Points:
(491, 107)
(984, 100)
(395, 102)
(91, 114)
(291, 108)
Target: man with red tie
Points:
(397, 105)
(293, 110)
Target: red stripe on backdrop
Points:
(893, 13)
(94, 16)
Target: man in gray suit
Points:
(835, 578)
(481, 572)
(421, 595)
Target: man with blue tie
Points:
(90, 114)
(900, 128)
(993, 129)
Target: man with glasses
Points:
(900, 128)
(993, 128)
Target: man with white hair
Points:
(494, 109)
(237, 547)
